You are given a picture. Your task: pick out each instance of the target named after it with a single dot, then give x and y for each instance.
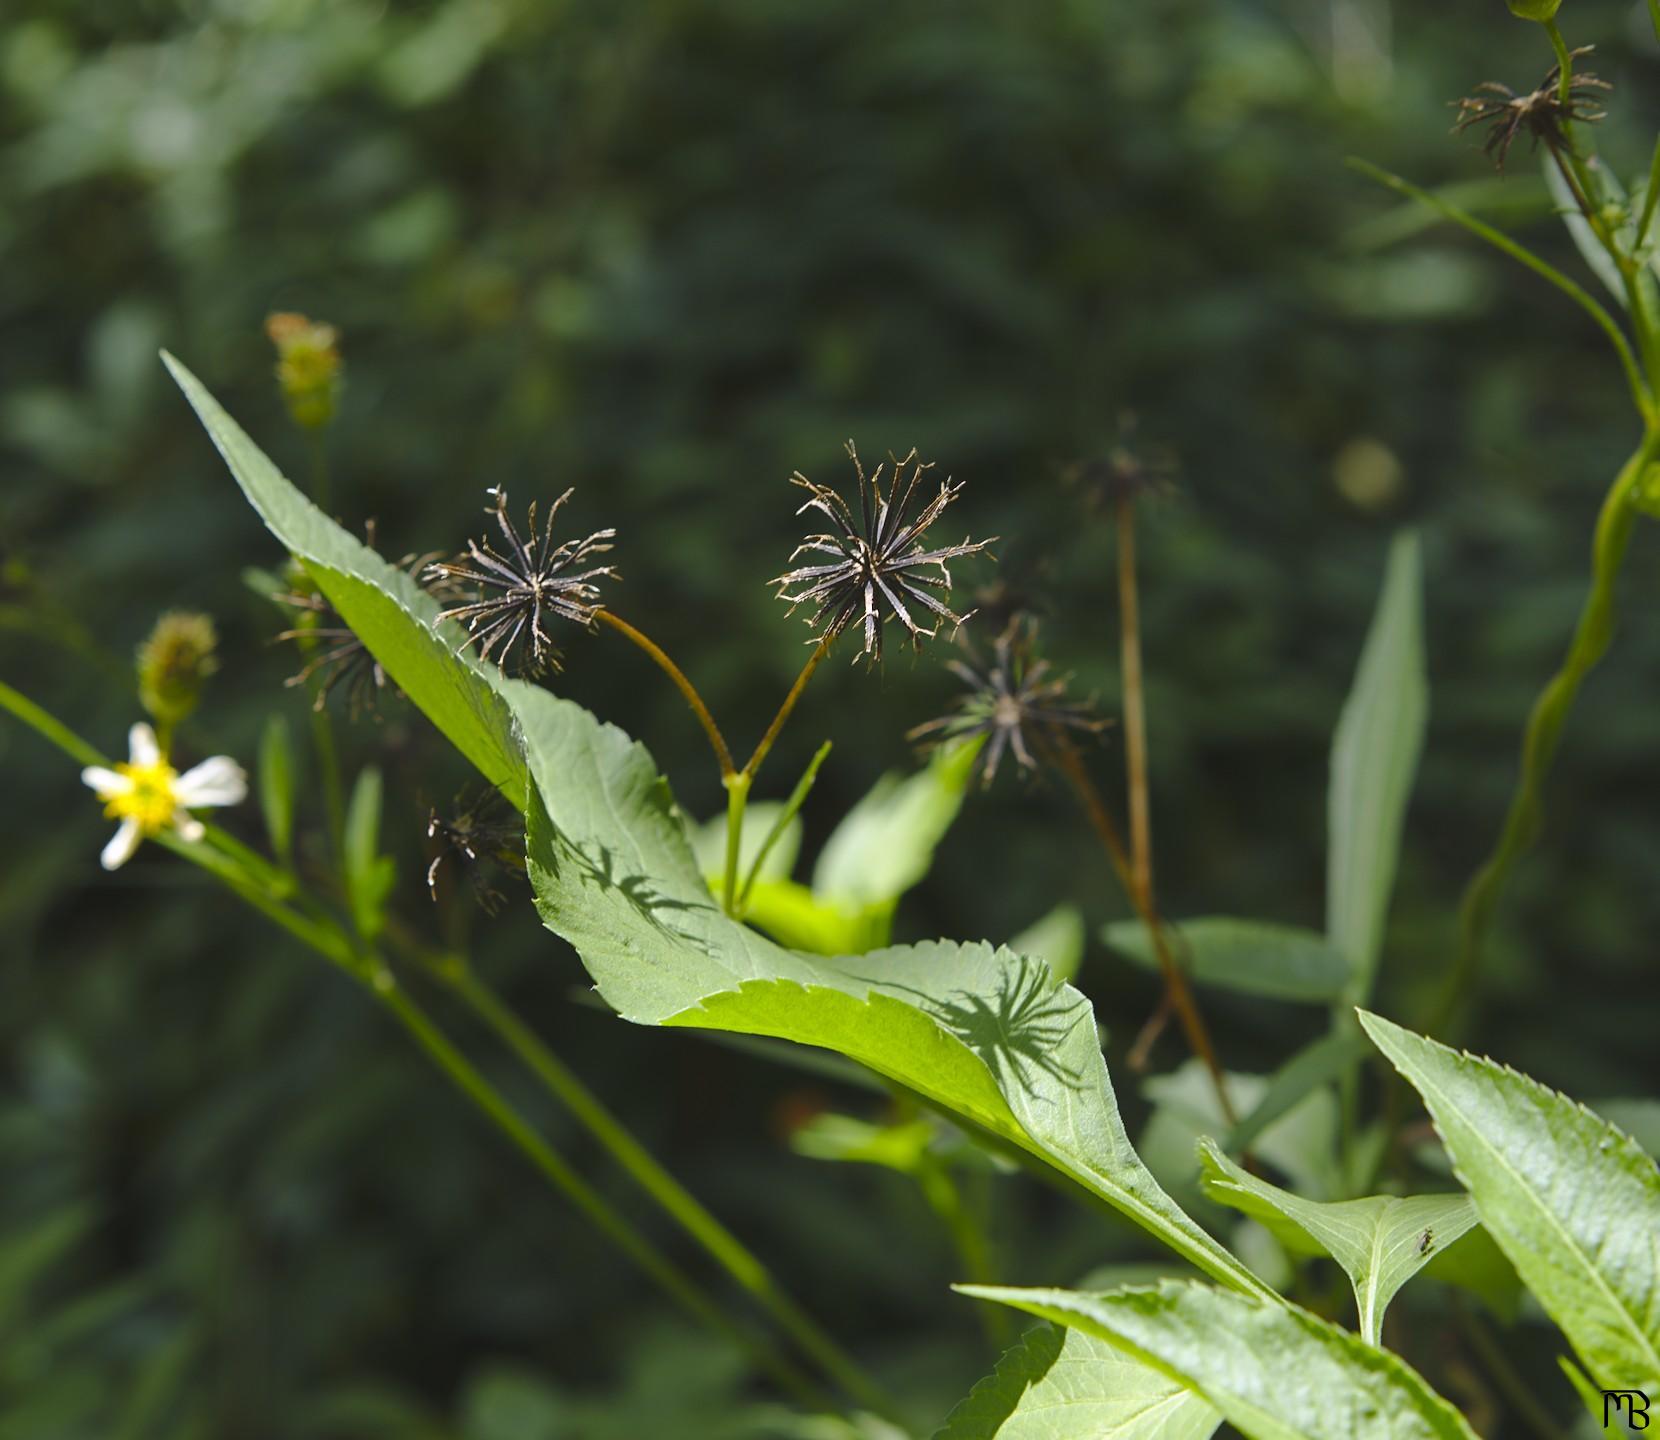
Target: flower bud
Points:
(308, 367)
(173, 663)
(1540, 10)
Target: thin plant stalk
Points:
(1179, 991)
(1543, 733)
(327, 939)
(717, 742)
(676, 1201)
(1135, 707)
(792, 807)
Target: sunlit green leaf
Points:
(1274, 1371)
(1058, 1384)
(1381, 1241)
(1572, 1201)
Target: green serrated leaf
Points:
(885, 844)
(1274, 1371)
(1373, 759)
(984, 1034)
(276, 786)
(1381, 1242)
(1058, 1384)
(1057, 939)
(385, 608)
(1573, 1202)
(1253, 957)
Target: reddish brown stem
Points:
(819, 652)
(716, 740)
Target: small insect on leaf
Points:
(1426, 1241)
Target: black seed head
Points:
(478, 837)
(878, 567)
(1011, 702)
(521, 587)
(1127, 471)
(1541, 112)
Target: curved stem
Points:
(819, 652)
(1500, 241)
(1544, 728)
(717, 741)
(1135, 708)
(1564, 63)
(676, 1201)
(1175, 979)
(471, 1082)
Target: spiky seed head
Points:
(1542, 112)
(520, 587)
(878, 567)
(174, 662)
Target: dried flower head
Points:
(308, 367)
(1126, 472)
(519, 591)
(877, 560)
(1009, 702)
(1542, 112)
(174, 662)
(334, 653)
(478, 835)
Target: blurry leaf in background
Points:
(1251, 956)
(1057, 939)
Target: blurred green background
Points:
(668, 252)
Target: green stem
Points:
(737, 797)
(1544, 727)
(328, 766)
(819, 652)
(677, 1202)
(1650, 197)
(1500, 241)
(660, 658)
(1564, 64)
(583, 1196)
(1526, 1404)
(792, 807)
(317, 449)
(329, 940)
(946, 1197)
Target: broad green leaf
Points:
(1573, 1202)
(386, 609)
(984, 1034)
(1374, 755)
(1057, 939)
(709, 842)
(1057, 1384)
(368, 873)
(1381, 1241)
(789, 912)
(276, 786)
(1251, 956)
(885, 844)
(1274, 1371)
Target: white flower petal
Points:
(141, 745)
(122, 844)
(105, 782)
(216, 781)
(188, 826)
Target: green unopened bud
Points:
(1540, 10)
(173, 664)
(308, 367)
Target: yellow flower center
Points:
(152, 800)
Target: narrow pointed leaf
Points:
(1381, 1241)
(1253, 957)
(385, 608)
(1572, 1201)
(1274, 1371)
(1057, 1384)
(1373, 759)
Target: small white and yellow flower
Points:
(147, 795)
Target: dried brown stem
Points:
(716, 740)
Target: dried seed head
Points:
(878, 567)
(174, 662)
(1010, 702)
(1541, 112)
(478, 836)
(1127, 471)
(517, 592)
(308, 367)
